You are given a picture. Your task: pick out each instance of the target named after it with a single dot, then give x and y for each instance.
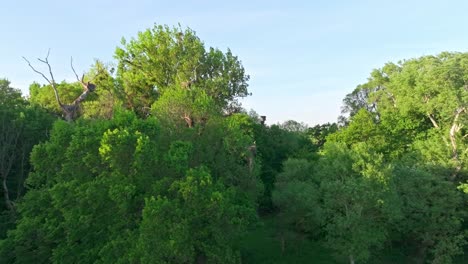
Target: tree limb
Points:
(188, 120)
(434, 123)
(86, 85)
(52, 81)
(77, 78)
(453, 130)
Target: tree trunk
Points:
(19, 187)
(8, 143)
(351, 259)
(421, 254)
(6, 195)
(201, 258)
(283, 244)
(188, 120)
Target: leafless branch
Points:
(46, 61)
(69, 110)
(29, 63)
(77, 78)
(50, 81)
(433, 120)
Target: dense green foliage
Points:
(394, 173)
(164, 166)
(97, 186)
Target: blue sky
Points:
(303, 56)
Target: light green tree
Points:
(162, 58)
(359, 200)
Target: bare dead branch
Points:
(86, 86)
(69, 110)
(29, 63)
(71, 64)
(46, 61)
(433, 120)
(188, 119)
(50, 81)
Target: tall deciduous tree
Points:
(161, 58)
(359, 200)
(87, 193)
(433, 213)
(426, 92)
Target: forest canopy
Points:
(153, 159)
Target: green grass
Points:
(263, 245)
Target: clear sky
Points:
(303, 56)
